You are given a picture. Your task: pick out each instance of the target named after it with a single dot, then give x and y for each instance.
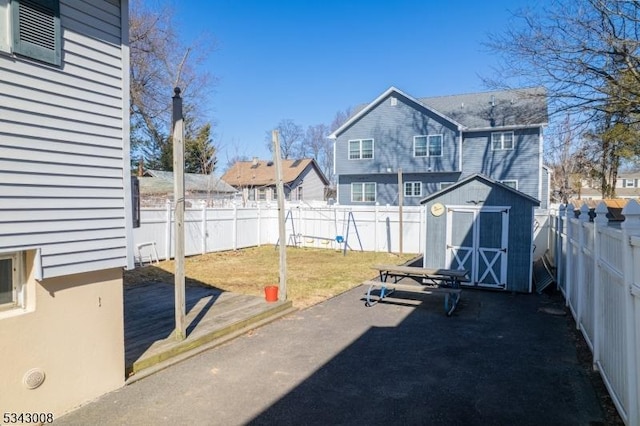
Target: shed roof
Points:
(478, 176)
(263, 172)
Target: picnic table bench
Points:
(428, 281)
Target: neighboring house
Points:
(303, 180)
(156, 185)
(436, 142)
(627, 186)
(65, 215)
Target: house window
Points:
(427, 146)
(360, 149)
(31, 28)
(274, 193)
(629, 183)
(413, 189)
(365, 191)
(501, 141)
(11, 281)
(262, 194)
(510, 183)
(444, 185)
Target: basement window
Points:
(12, 288)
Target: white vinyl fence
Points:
(598, 271)
(374, 228)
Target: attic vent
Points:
(269, 163)
(296, 163)
(37, 29)
(394, 101)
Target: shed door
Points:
(477, 240)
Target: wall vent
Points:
(33, 378)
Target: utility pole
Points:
(400, 202)
(178, 196)
(282, 291)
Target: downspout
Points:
(460, 150)
(126, 166)
(335, 175)
(540, 163)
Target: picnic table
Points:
(428, 281)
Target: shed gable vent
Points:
(394, 101)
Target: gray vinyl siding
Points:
(520, 228)
(312, 185)
(62, 147)
(392, 128)
(521, 163)
(387, 186)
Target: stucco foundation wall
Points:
(75, 334)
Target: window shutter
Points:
(36, 29)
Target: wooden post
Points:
(282, 294)
(178, 195)
(400, 202)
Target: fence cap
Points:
(632, 206)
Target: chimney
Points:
(255, 161)
(141, 167)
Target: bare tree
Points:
(340, 118)
(319, 147)
(291, 136)
(577, 49)
(587, 54)
(568, 157)
(159, 61)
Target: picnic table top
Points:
(415, 270)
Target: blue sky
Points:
(306, 60)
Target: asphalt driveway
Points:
(501, 359)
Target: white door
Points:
(477, 240)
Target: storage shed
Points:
(484, 226)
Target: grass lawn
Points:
(313, 275)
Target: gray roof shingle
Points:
(521, 107)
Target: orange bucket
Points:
(271, 293)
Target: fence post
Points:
(167, 231)
(579, 280)
(568, 258)
(259, 227)
(599, 222)
(234, 230)
(559, 256)
(203, 204)
(376, 209)
(630, 227)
